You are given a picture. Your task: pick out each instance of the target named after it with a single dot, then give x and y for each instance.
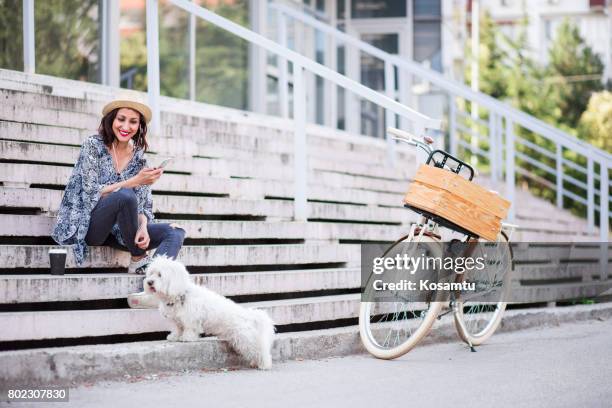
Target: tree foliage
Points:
(221, 57)
(491, 60)
(571, 64)
(556, 92)
(11, 36)
(66, 37)
(596, 121)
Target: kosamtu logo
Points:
(423, 285)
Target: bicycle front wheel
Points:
(389, 329)
(476, 320)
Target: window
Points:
(378, 8)
(67, 39)
(427, 8)
(427, 35)
(11, 35)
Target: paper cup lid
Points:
(58, 251)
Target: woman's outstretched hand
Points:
(147, 176)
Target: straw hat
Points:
(129, 101)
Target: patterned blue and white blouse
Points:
(93, 170)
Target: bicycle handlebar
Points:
(409, 138)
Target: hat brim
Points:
(124, 103)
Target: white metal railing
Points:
(502, 134)
(300, 65)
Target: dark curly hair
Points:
(108, 136)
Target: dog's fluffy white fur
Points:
(195, 309)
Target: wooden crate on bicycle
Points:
(451, 196)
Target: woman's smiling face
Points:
(126, 124)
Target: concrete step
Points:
(561, 291)
(536, 272)
(263, 140)
(40, 115)
(67, 155)
(36, 256)
(58, 176)
(70, 366)
(10, 97)
(23, 174)
(560, 254)
(182, 123)
(50, 85)
(537, 236)
(40, 226)
(31, 132)
(283, 209)
(75, 287)
(49, 201)
(50, 134)
(82, 323)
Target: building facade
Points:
(105, 42)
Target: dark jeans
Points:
(122, 207)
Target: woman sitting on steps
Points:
(108, 200)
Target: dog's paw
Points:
(189, 337)
(173, 337)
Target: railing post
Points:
(29, 50)
(510, 170)
(405, 94)
(257, 61)
(109, 43)
(192, 56)
(604, 219)
(493, 145)
(352, 115)
(420, 155)
(500, 144)
(559, 175)
(153, 64)
(299, 145)
(389, 116)
(452, 125)
(283, 82)
(331, 60)
(590, 193)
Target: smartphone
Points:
(164, 163)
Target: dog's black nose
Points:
(150, 283)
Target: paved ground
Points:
(567, 366)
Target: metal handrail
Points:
(300, 64)
(529, 122)
(308, 64)
(497, 109)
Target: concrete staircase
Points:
(231, 188)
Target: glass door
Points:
(372, 73)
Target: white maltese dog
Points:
(195, 309)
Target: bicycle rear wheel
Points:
(477, 320)
(389, 329)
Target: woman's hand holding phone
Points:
(148, 176)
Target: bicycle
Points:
(390, 329)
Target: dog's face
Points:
(166, 278)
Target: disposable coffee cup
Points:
(57, 260)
